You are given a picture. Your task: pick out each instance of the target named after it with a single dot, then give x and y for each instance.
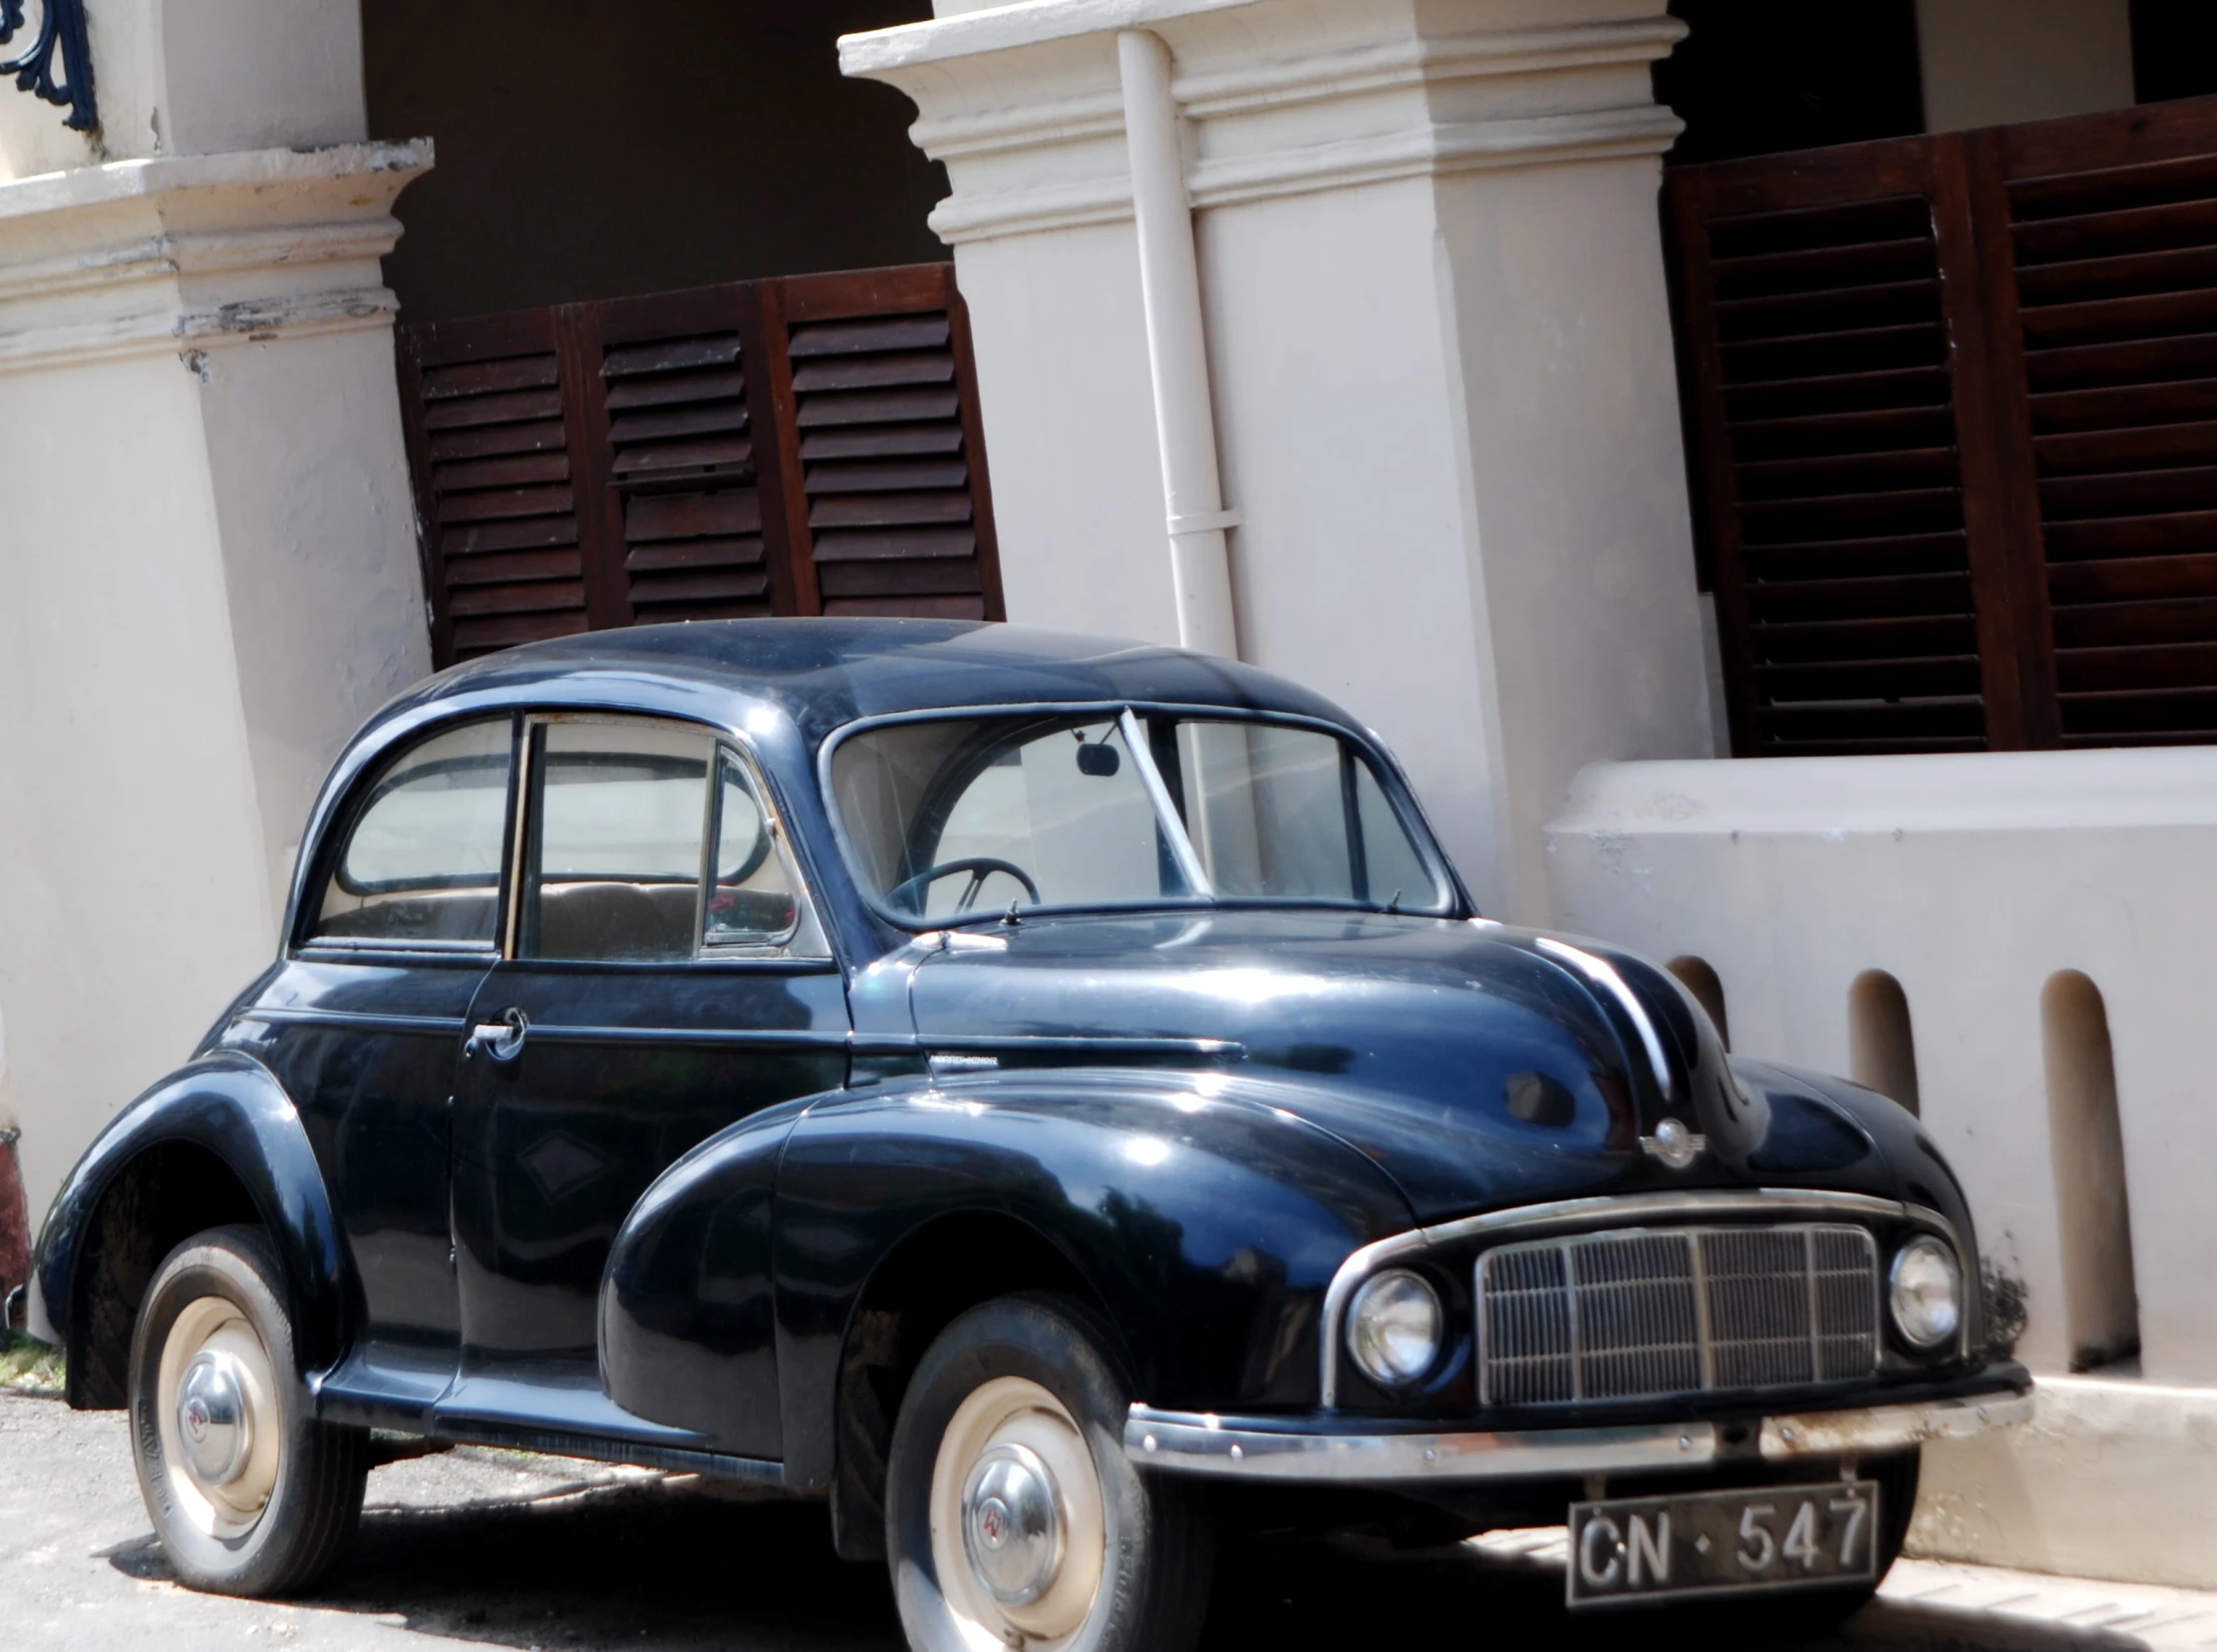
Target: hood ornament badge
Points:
(1674, 1144)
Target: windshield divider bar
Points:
(1159, 792)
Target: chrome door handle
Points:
(502, 1040)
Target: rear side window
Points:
(422, 863)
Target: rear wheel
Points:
(1013, 1517)
(249, 1494)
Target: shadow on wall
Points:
(1698, 978)
(2102, 1302)
(1881, 1045)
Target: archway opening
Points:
(2101, 1302)
(1699, 978)
(1882, 1047)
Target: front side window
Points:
(647, 844)
(422, 863)
(944, 818)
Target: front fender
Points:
(232, 1107)
(1202, 1212)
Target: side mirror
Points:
(1101, 761)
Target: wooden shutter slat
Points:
(704, 419)
(951, 505)
(1890, 391)
(731, 451)
(494, 410)
(1950, 675)
(1846, 558)
(692, 516)
(2123, 275)
(2135, 361)
(686, 554)
(539, 597)
(508, 501)
(478, 377)
(511, 566)
(472, 538)
(886, 477)
(495, 473)
(669, 354)
(1883, 471)
(2096, 670)
(2192, 575)
(2114, 624)
(882, 441)
(2061, 411)
(1899, 594)
(675, 387)
(2126, 493)
(2096, 322)
(924, 543)
(2150, 536)
(873, 372)
(490, 441)
(929, 332)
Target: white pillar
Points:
(208, 573)
(1437, 344)
(1178, 350)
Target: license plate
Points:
(1752, 1541)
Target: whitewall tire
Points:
(249, 1494)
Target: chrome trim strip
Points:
(1626, 1209)
(1603, 975)
(357, 1021)
(1199, 1443)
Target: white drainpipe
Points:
(1177, 351)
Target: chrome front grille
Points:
(1663, 1311)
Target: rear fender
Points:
(230, 1109)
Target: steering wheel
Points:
(909, 895)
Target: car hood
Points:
(1479, 1066)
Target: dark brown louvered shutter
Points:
(1953, 403)
(2111, 223)
(491, 447)
(802, 446)
(898, 519)
(1830, 454)
(682, 510)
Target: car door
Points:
(365, 1021)
(666, 977)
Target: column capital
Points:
(1283, 97)
(198, 252)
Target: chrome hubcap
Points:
(1019, 1533)
(218, 1411)
(213, 1422)
(1011, 1531)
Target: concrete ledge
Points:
(2112, 1479)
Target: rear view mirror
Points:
(1101, 761)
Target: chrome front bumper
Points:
(1198, 1443)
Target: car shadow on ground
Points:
(680, 1566)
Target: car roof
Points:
(824, 673)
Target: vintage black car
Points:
(1042, 1095)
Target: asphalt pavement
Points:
(505, 1550)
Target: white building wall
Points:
(208, 574)
(1974, 881)
(1446, 404)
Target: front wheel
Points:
(249, 1494)
(1013, 1517)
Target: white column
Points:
(208, 573)
(1178, 350)
(1437, 344)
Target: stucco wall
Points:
(1973, 880)
(650, 149)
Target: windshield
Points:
(980, 815)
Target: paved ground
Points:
(506, 1550)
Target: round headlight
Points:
(1393, 1327)
(1927, 1293)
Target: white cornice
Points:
(1361, 110)
(1005, 28)
(1398, 65)
(198, 252)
